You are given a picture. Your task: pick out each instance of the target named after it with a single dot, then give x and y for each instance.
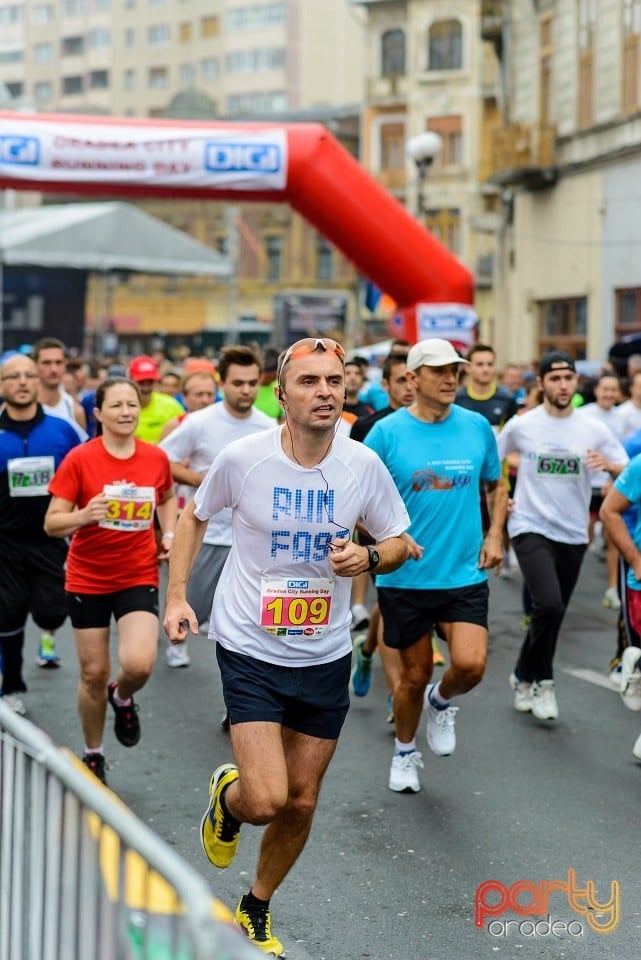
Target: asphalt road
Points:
(395, 877)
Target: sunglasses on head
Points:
(310, 344)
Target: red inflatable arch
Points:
(302, 164)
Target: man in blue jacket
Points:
(32, 445)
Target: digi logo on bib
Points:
(243, 157)
(24, 151)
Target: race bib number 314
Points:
(129, 508)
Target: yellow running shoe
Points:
(219, 831)
(257, 925)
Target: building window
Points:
(254, 17)
(42, 14)
(159, 35)
(187, 75)
(450, 130)
(445, 45)
(11, 55)
(158, 78)
(72, 85)
(585, 86)
(546, 53)
(563, 325)
(393, 53)
(100, 5)
(99, 79)
(72, 46)
(445, 224)
(274, 253)
(130, 79)
(12, 14)
(631, 54)
(392, 146)
(209, 27)
(256, 60)
(246, 103)
(130, 37)
(43, 53)
(15, 89)
(324, 259)
(99, 38)
(184, 32)
(42, 91)
(628, 311)
(72, 8)
(209, 68)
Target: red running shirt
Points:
(102, 560)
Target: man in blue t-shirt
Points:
(438, 454)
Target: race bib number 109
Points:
(296, 608)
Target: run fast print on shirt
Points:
(294, 512)
(443, 475)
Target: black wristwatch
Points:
(374, 558)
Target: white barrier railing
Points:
(81, 878)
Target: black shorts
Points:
(409, 615)
(596, 501)
(311, 700)
(88, 611)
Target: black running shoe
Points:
(127, 724)
(97, 764)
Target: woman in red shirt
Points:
(105, 497)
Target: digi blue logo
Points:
(297, 584)
(243, 157)
(23, 151)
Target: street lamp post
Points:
(423, 148)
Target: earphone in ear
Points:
(281, 396)
(345, 397)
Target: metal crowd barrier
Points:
(81, 878)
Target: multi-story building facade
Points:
(567, 160)
(224, 59)
(429, 69)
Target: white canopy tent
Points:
(101, 237)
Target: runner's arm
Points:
(188, 538)
(62, 518)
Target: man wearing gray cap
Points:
(438, 454)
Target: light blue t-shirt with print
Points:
(628, 484)
(438, 468)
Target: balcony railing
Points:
(523, 154)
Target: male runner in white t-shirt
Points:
(281, 614)
(192, 448)
(559, 451)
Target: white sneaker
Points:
(177, 655)
(522, 694)
(15, 703)
(614, 676)
(544, 705)
(611, 599)
(441, 737)
(631, 678)
(360, 617)
(403, 777)
(636, 749)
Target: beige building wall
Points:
(422, 97)
(129, 58)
